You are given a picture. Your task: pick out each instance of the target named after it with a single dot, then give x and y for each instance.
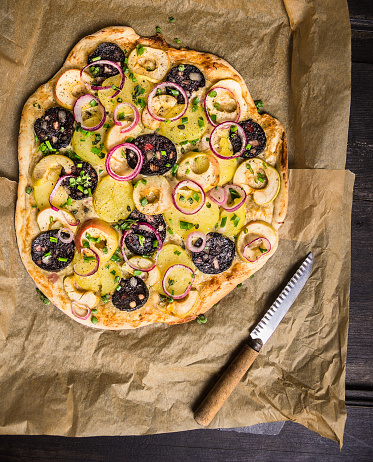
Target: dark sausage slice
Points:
(189, 77)
(55, 126)
(50, 255)
(217, 255)
(140, 241)
(159, 154)
(132, 295)
(157, 221)
(110, 52)
(86, 180)
(255, 137)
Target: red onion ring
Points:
(77, 111)
(240, 191)
(154, 93)
(264, 253)
(120, 123)
(137, 169)
(75, 306)
(146, 227)
(95, 87)
(176, 297)
(218, 90)
(181, 185)
(240, 133)
(94, 269)
(193, 235)
(67, 231)
(54, 190)
(218, 195)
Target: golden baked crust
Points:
(213, 288)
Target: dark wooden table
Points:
(294, 442)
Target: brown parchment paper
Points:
(58, 377)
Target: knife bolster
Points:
(255, 343)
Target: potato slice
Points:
(201, 167)
(230, 223)
(172, 254)
(204, 220)
(113, 199)
(153, 195)
(151, 63)
(89, 146)
(190, 127)
(138, 85)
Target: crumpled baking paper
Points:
(58, 377)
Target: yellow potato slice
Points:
(204, 220)
(126, 93)
(172, 254)
(232, 221)
(113, 199)
(90, 146)
(194, 126)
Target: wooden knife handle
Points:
(226, 384)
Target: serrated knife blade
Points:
(259, 336)
(269, 322)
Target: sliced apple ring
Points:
(151, 63)
(259, 179)
(114, 136)
(44, 177)
(69, 87)
(112, 199)
(153, 195)
(52, 219)
(184, 307)
(99, 236)
(78, 294)
(263, 238)
(235, 88)
(201, 167)
(149, 277)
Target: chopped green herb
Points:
(223, 222)
(105, 250)
(258, 103)
(53, 239)
(177, 252)
(28, 190)
(213, 117)
(143, 201)
(233, 128)
(208, 205)
(234, 194)
(170, 231)
(94, 320)
(117, 279)
(174, 169)
(96, 59)
(187, 171)
(171, 282)
(104, 298)
(248, 147)
(93, 103)
(158, 29)
(181, 67)
(137, 273)
(168, 165)
(262, 250)
(141, 240)
(196, 196)
(216, 105)
(252, 276)
(163, 153)
(236, 219)
(177, 40)
(201, 319)
(186, 225)
(212, 93)
(239, 285)
(155, 244)
(43, 298)
(184, 120)
(201, 122)
(115, 258)
(47, 254)
(62, 259)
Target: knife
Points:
(258, 337)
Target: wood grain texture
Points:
(225, 385)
